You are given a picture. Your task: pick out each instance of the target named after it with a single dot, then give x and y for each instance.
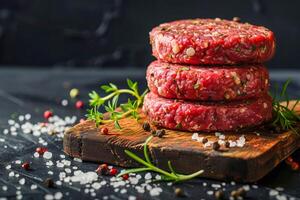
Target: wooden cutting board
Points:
(261, 153)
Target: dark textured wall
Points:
(115, 32)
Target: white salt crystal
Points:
(210, 192)
(47, 155)
(22, 181)
(216, 185)
(246, 187)
(8, 167)
(18, 162)
(123, 191)
(48, 197)
(27, 116)
(131, 197)
(49, 163)
(68, 170)
(11, 174)
(155, 191)
(222, 137)
(77, 160)
(158, 177)
(58, 195)
(4, 188)
(279, 188)
(60, 165)
(195, 136)
(33, 187)
(148, 176)
(217, 134)
(21, 118)
(273, 192)
(96, 185)
(11, 122)
(64, 102)
(254, 186)
(232, 143)
(58, 183)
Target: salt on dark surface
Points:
(74, 179)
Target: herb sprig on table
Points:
(149, 166)
(284, 114)
(113, 92)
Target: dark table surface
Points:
(34, 91)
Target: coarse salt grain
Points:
(273, 192)
(58, 195)
(195, 136)
(47, 155)
(11, 174)
(131, 197)
(96, 185)
(4, 188)
(77, 159)
(48, 197)
(148, 176)
(155, 191)
(22, 181)
(33, 187)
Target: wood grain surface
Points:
(262, 152)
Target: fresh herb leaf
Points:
(284, 116)
(149, 166)
(111, 99)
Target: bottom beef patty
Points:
(207, 116)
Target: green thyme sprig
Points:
(127, 109)
(148, 166)
(284, 115)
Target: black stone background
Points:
(107, 33)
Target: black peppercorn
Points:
(160, 133)
(179, 192)
(219, 194)
(227, 144)
(49, 183)
(146, 127)
(153, 132)
(204, 140)
(216, 146)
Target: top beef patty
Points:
(211, 41)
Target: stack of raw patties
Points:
(209, 75)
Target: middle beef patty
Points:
(213, 83)
(207, 116)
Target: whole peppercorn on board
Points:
(263, 149)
